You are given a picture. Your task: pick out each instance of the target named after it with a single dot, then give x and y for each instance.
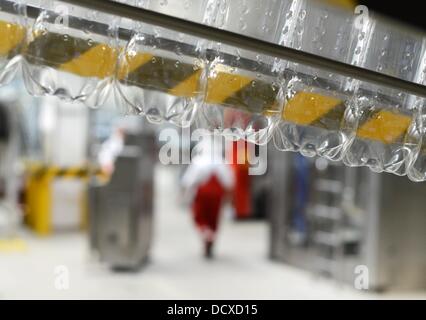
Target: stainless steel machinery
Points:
(10, 149)
(121, 212)
(332, 220)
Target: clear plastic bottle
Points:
(317, 102)
(71, 52)
(386, 139)
(417, 168)
(12, 38)
(161, 72)
(244, 94)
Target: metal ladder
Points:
(326, 215)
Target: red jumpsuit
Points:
(210, 179)
(206, 206)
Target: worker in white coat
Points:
(114, 145)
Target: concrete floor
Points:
(176, 270)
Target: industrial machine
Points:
(332, 220)
(10, 150)
(121, 210)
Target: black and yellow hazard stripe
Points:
(92, 59)
(235, 90)
(152, 72)
(162, 74)
(70, 54)
(313, 109)
(12, 38)
(183, 79)
(145, 70)
(42, 172)
(39, 195)
(385, 125)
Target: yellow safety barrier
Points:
(38, 193)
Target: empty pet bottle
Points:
(386, 118)
(12, 37)
(417, 168)
(244, 94)
(161, 72)
(71, 52)
(317, 101)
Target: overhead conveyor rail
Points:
(249, 43)
(229, 38)
(296, 72)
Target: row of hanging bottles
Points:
(88, 56)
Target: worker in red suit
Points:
(208, 179)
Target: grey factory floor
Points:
(241, 270)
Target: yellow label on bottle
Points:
(385, 126)
(11, 35)
(306, 107)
